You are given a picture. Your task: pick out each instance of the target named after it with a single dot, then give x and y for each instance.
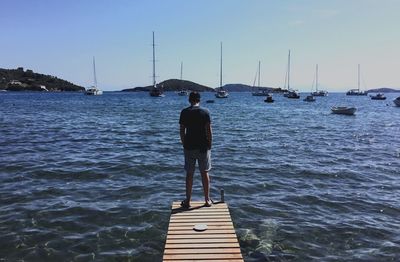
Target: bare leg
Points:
(205, 179)
(189, 185)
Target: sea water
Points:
(87, 178)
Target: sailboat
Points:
(155, 90)
(311, 98)
(318, 92)
(221, 93)
(93, 90)
(182, 92)
(290, 93)
(259, 92)
(357, 92)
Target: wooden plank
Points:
(204, 256)
(209, 231)
(196, 260)
(201, 245)
(202, 240)
(207, 236)
(190, 224)
(217, 243)
(190, 227)
(202, 251)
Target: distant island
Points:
(173, 85)
(20, 80)
(383, 90)
(177, 85)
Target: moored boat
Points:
(155, 91)
(397, 101)
(378, 96)
(269, 99)
(293, 94)
(343, 110)
(93, 90)
(357, 92)
(221, 93)
(309, 98)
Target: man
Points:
(196, 138)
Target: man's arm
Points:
(209, 135)
(182, 134)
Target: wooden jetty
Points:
(217, 243)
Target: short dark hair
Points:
(194, 97)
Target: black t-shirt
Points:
(195, 118)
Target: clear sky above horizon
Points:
(60, 38)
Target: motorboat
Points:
(309, 98)
(268, 99)
(343, 110)
(210, 101)
(397, 101)
(378, 96)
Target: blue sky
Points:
(60, 38)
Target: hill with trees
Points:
(20, 80)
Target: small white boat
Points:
(343, 110)
(397, 101)
(378, 96)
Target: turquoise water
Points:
(92, 178)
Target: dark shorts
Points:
(203, 158)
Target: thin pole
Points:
(358, 78)
(154, 63)
(94, 72)
(316, 73)
(288, 76)
(220, 70)
(181, 69)
(259, 65)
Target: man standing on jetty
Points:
(196, 138)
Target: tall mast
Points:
(316, 77)
(94, 73)
(288, 75)
(220, 70)
(181, 69)
(358, 85)
(154, 63)
(259, 65)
